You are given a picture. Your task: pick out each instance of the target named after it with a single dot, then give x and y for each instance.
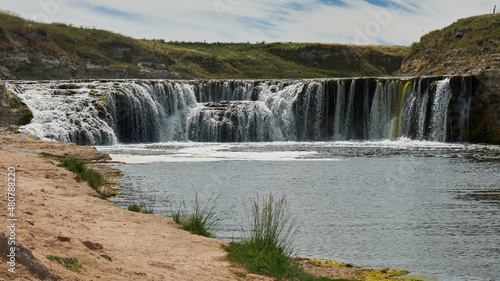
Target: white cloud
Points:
(356, 21)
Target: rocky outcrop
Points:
(24, 65)
(485, 106)
(13, 112)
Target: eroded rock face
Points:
(13, 112)
(486, 121)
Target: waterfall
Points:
(440, 109)
(132, 111)
(66, 113)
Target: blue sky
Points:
(393, 22)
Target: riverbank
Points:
(59, 217)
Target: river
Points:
(428, 207)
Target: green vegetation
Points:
(134, 207)
(281, 60)
(94, 178)
(202, 219)
(145, 206)
(467, 42)
(268, 248)
(195, 60)
(47, 155)
(69, 263)
(176, 216)
(74, 165)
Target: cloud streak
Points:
(327, 21)
(112, 12)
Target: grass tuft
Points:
(145, 206)
(94, 178)
(71, 264)
(177, 216)
(134, 207)
(202, 219)
(47, 155)
(74, 165)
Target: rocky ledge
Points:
(13, 112)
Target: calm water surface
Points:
(430, 208)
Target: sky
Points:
(387, 22)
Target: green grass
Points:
(134, 207)
(92, 177)
(74, 165)
(47, 155)
(201, 219)
(268, 248)
(176, 216)
(71, 264)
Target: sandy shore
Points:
(60, 217)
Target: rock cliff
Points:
(485, 106)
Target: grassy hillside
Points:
(39, 42)
(31, 50)
(281, 60)
(469, 44)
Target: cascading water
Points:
(131, 111)
(66, 113)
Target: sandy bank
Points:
(58, 216)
